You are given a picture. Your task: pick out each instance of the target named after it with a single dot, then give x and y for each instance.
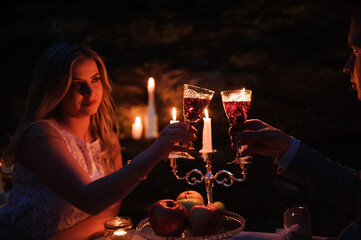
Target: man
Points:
(306, 166)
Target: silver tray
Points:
(233, 224)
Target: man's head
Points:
(353, 64)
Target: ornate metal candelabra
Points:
(208, 177)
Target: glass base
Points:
(180, 155)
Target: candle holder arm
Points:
(190, 180)
(227, 182)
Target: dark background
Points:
(290, 53)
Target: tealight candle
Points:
(120, 234)
(119, 225)
(137, 128)
(174, 115)
(207, 133)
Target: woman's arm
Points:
(46, 153)
(89, 228)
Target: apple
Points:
(189, 203)
(168, 218)
(220, 207)
(205, 220)
(189, 199)
(190, 194)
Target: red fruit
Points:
(205, 220)
(189, 203)
(168, 218)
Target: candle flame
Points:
(137, 121)
(119, 232)
(151, 83)
(206, 113)
(174, 114)
(245, 96)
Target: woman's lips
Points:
(89, 103)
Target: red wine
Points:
(237, 112)
(194, 108)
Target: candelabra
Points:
(208, 177)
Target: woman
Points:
(68, 174)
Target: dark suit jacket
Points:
(338, 184)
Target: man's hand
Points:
(261, 138)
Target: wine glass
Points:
(195, 101)
(236, 104)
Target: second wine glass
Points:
(236, 104)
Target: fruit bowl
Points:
(233, 224)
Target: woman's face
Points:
(86, 91)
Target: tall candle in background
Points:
(137, 129)
(151, 118)
(207, 133)
(174, 115)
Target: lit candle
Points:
(151, 86)
(120, 234)
(151, 118)
(174, 115)
(137, 129)
(207, 133)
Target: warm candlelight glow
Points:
(151, 84)
(245, 96)
(151, 118)
(119, 232)
(174, 115)
(206, 113)
(137, 128)
(138, 121)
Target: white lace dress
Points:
(35, 209)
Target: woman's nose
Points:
(86, 89)
(348, 68)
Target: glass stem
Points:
(239, 154)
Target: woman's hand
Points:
(170, 137)
(261, 138)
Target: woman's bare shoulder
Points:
(40, 143)
(41, 129)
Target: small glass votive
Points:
(117, 227)
(121, 234)
(298, 221)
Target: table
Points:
(244, 235)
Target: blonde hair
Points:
(51, 81)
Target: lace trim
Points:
(34, 208)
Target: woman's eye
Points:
(97, 79)
(75, 84)
(354, 51)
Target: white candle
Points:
(207, 133)
(137, 129)
(174, 115)
(151, 118)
